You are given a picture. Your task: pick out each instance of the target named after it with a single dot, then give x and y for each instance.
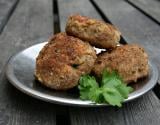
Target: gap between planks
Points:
(145, 13)
(8, 15)
(62, 113)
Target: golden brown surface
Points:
(63, 60)
(97, 33)
(130, 61)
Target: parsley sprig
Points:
(112, 90)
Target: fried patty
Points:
(97, 33)
(130, 61)
(63, 60)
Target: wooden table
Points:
(27, 22)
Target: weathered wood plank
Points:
(150, 7)
(142, 111)
(135, 27)
(138, 112)
(6, 8)
(31, 23)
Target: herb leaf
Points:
(112, 89)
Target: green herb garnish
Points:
(111, 90)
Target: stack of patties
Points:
(69, 55)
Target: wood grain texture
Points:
(150, 7)
(6, 8)
(135, 27)
(138, 112)
(142, 111)
(31, 23)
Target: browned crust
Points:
(55, 62)
(130, 61)
(97, 33)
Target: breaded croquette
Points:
(97, 33)
(130, 61)
(63, 60)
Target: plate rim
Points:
(57, 100)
